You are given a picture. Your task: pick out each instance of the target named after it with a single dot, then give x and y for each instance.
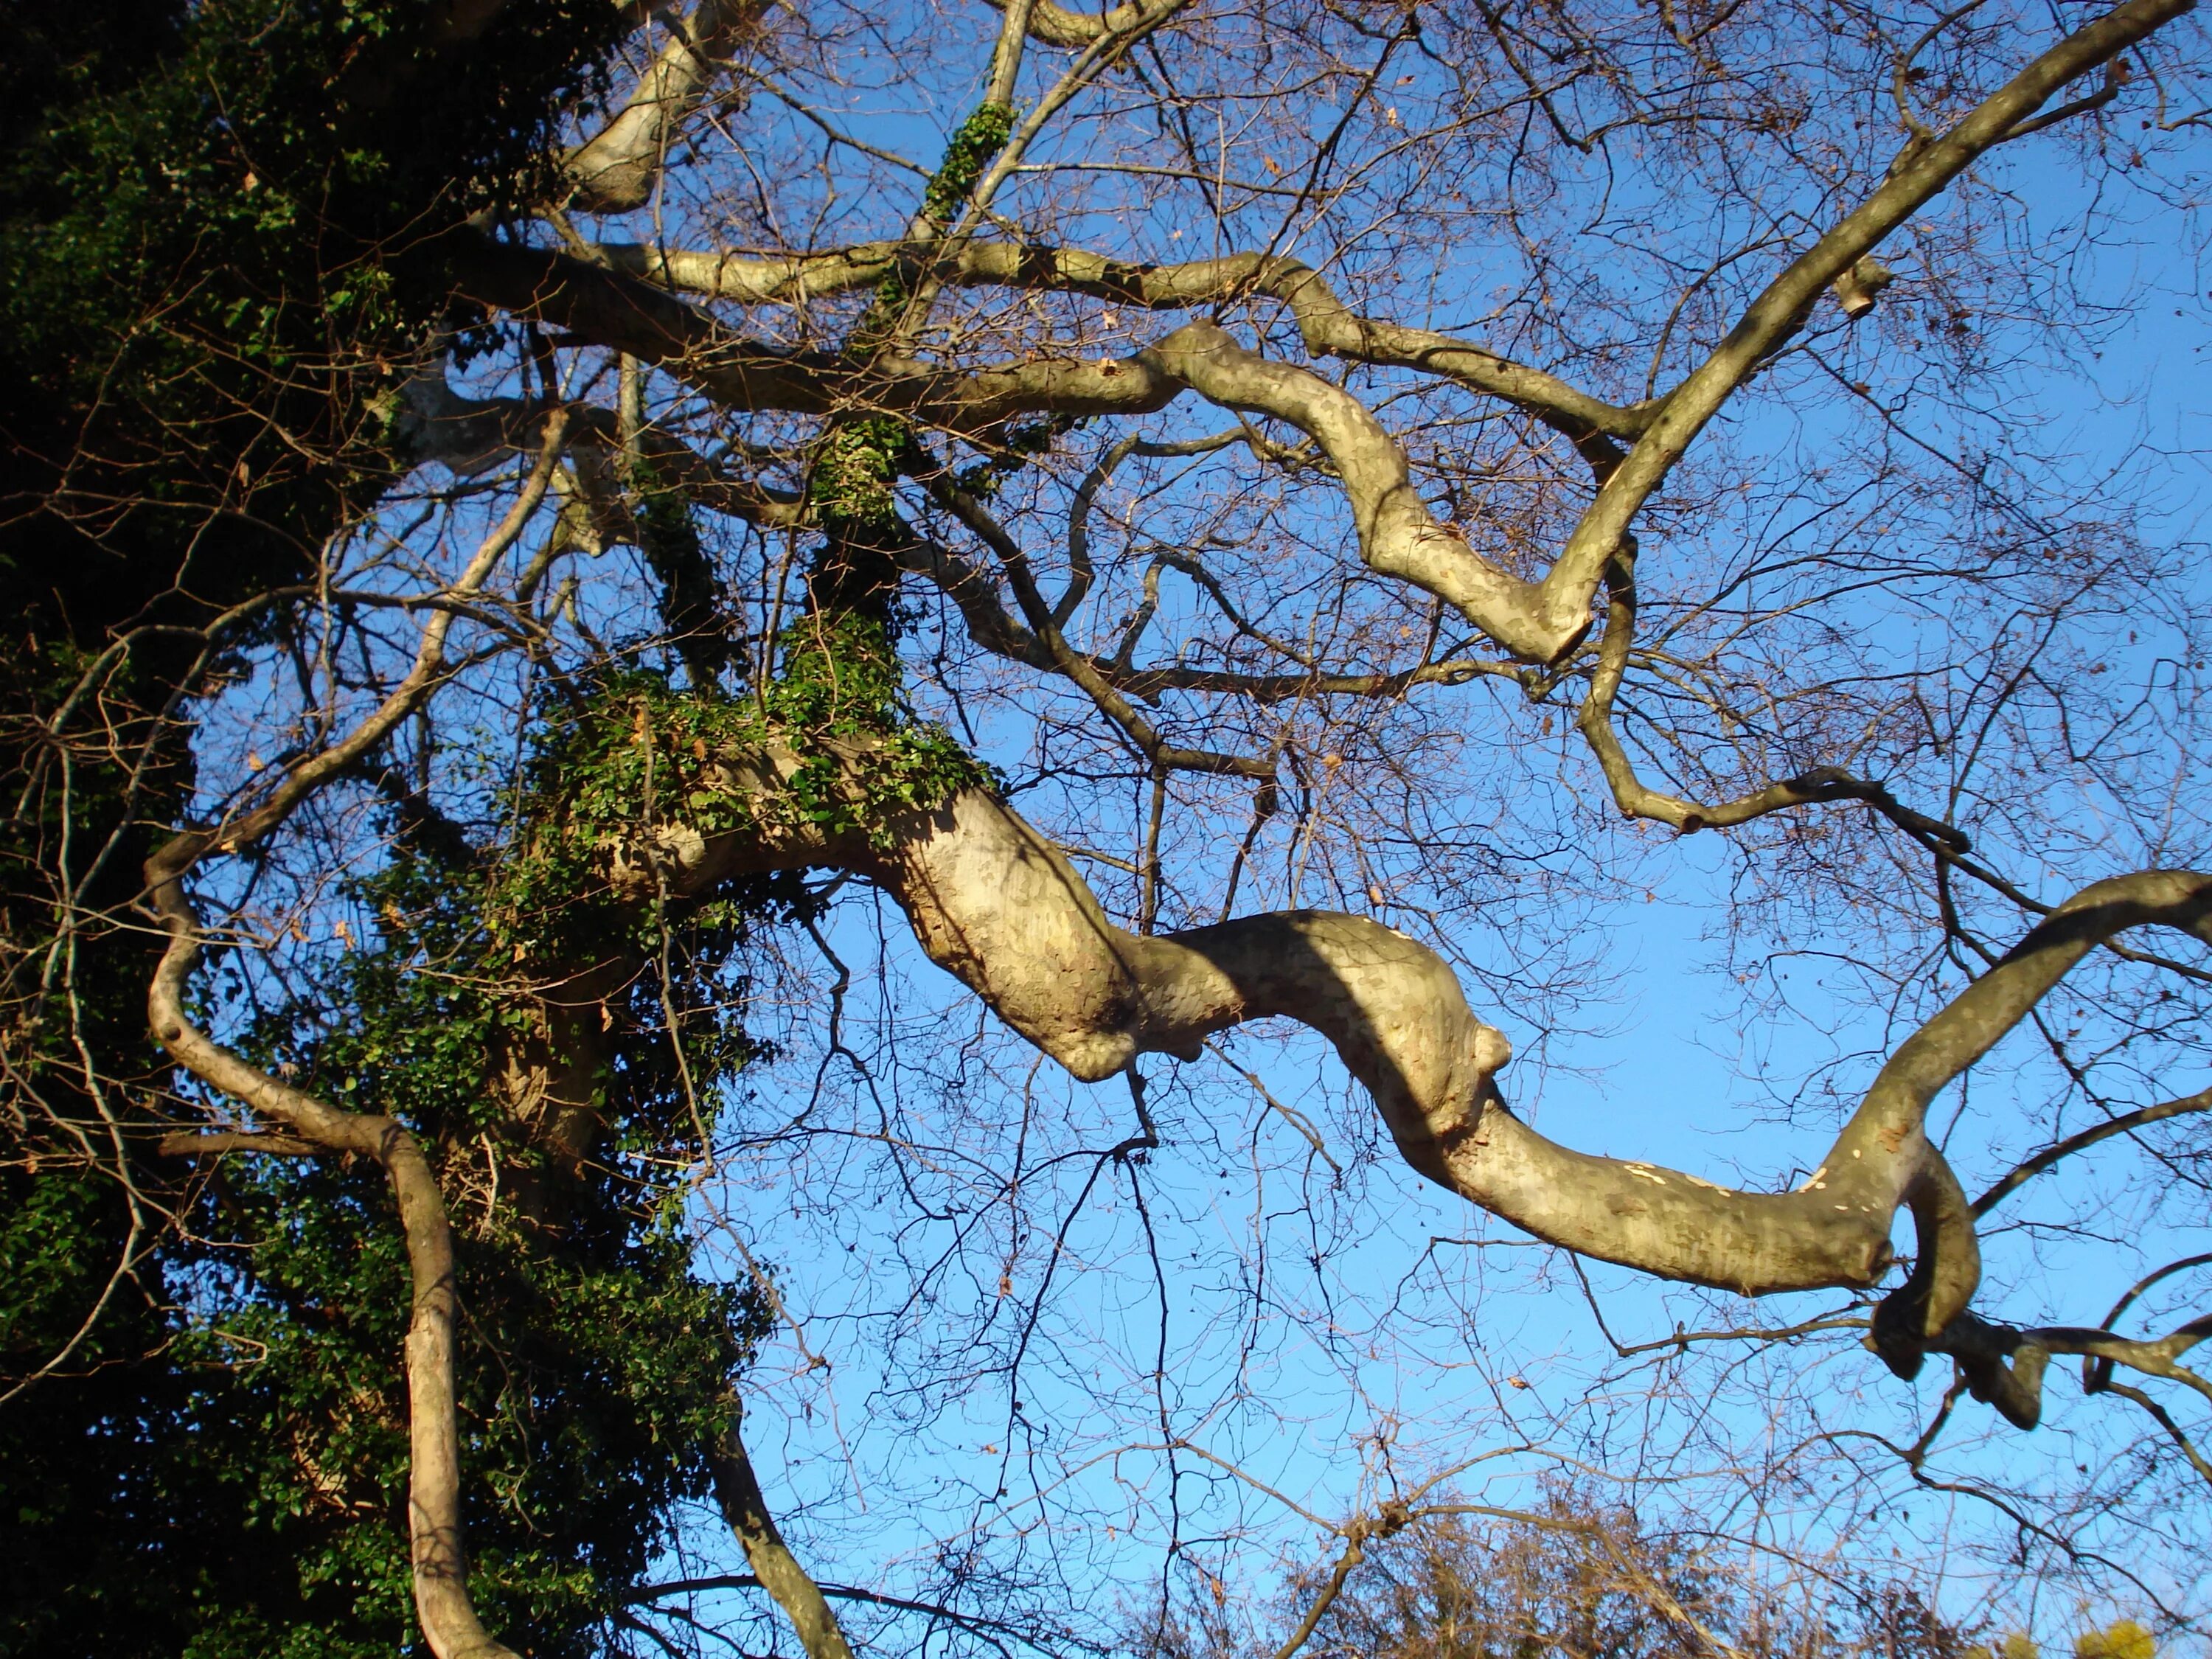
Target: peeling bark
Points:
(998, 906)
(1057, 25)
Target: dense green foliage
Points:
(218, 227)
(594, 1364)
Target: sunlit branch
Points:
(1001, 908)
(1057, 25)
(438, 1562)
(1328, 327)
(774, 1567)
(433, 1508)
(619, 168)
(1922, 172)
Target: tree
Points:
(1574, 1579)
(958, 484)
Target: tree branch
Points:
(1057, 25)
(1000, 908)
(737, 1491)
(1328, 326)
(1636, 799)
(440, 1568)
(2026, 1170)
(1780, 310)
(433, 1474)
(616, 171)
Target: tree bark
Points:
(737, 1489)
(434, 1480)
(998, 906)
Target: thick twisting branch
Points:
(2004, 1367)
(1328, 326)
(1057, 25)
(997, 905)
(1539, 622)
(440, 1577)
(1399, 536)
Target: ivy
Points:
(973, 143)
(979, 138)
(594, 1363)
(863, 763)
(1017, 444)
(854, 464)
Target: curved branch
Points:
(1920, 173)
(2004, 1367)
(186, 1144)
(440, 1567)
(1399, 536)
(178, 855)
(737, 1489)
(998, 906)
(2028, 1169)
(603, 306)
(1636, 799)
(1057, 25)
(617, 168)
(1328, 326)
(433, 1478)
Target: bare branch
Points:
(2028, 1169)
(616, 170)
(434, 1506)
(738, 1490)
(1328, 327)
(998, 906)
(1780, 310)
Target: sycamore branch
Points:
(1398, 535)
(1057, 25)
(998, 906)
(440, 1567)
(1638, 800)
(1328, 326)
(1919, 175)
(2081, 1140)
(616, 171)
(2004, 1367)
(434, 1471)
(1538, 622)
(432, 422)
